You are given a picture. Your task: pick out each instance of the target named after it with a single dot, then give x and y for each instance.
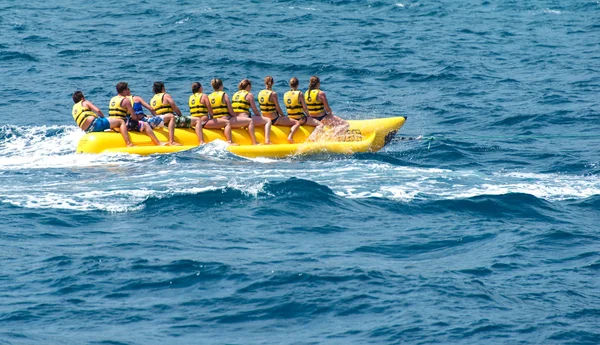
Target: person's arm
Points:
(228, 102)
(125, 103)
(93, 108)
(275, 100)
(171, 102)
(250, 99)
(206, 102)
(144, 104)
(304, 107)
(325, 103)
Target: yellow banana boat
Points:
(362, 136)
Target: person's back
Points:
(218, 104)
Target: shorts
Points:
(182, 121)
(155, 121)
(100, 124)
(135, 125)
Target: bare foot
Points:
(233, 144)
(268, 143)
(174, 143)
(290, 140)
(162, 143)
(130, 145)
(202, 143)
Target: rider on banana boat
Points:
(200, 107)
(154, 120)
(221, 106)
(296, 106)
(121, 107)
(241, 103)
(318, 109)
(269, 105)
(91, 119)
(163, 103)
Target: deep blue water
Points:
(486, 232)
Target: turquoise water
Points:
(484, 232)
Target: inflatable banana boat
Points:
(361, 136)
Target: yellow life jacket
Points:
(80, 113)
(265, 102)
(115, 108)
(157, 103)
(239, 102)
(197, 109)
(315, 107)
(217, 102)
(293, 104)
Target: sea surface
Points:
(485, 231)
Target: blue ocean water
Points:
(484, 232)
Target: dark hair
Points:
(269, 81)
(312, 84)
(244, 84)
(196, 87)
(121, 86)
(158, 86)
(77, 96)
(216, 83)
(294, 82)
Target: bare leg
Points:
(251, 132)
(148, 130)
(197, 121)
(114, 123)
(261, 120)
(227, 132)
(286, 121)
(170, 120)
(267, 130)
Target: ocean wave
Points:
(10, 55)
(73, 52)
(504, 206)
(403, 249)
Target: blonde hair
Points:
(269, 81)
(312, 84)
(294, 82)
(244, 84)
(216, 83)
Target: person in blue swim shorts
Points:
(91, 119)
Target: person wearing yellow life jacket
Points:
(318, 109)
(269, 105)
(296, 106)
(91, 119)
(121, 107)
(241, 103)
(154, 120)
(200, 107)
(164, 104)
(221, 106)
